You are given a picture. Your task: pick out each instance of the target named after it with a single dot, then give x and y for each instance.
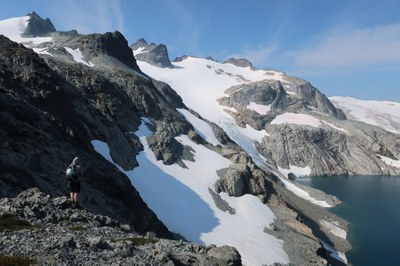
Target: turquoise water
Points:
(371, 204)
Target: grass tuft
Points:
(16, 261)
(11, 222)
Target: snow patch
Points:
(298, 171)
(337, 255)
(78, 57)
(140, 50)
(297, 119)
(389, 161)
(334, 229)
(201, 127)
(259, 108)
(42, 51)
(335, 127)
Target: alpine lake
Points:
(371, 204)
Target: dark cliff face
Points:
(113, 44)
(51, 111)
(38, 26)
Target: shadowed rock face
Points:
(38, 26)
(51, 110)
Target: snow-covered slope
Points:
(200, 82)
(181, 198)
(384, 114)
(13, 29)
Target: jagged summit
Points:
(153, 54)
(38, 27)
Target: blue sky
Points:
(343, 47)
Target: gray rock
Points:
(73, 242)
(239, 62)
(38, 26)
(153, 54)
(225, 254)
(232, 181)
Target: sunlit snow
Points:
(180, 197)
(78, 57)
(297, 119)
(389, 161)
(199, 85)
(13, 28)
(259, 108)
(334, 229)
(298, 171)
(384, 114)
(201, 127)
(304, 194)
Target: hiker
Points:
(74, 172)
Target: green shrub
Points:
(11, 222)
(16, 261)
(78, 228)
(137, 241)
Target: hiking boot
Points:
(73, 205)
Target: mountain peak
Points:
(153, 54)
(241, 62)
(38, 26)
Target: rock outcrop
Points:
(153, 54)
(38, 26)
(61, 235)
(332, 145)
(242, 62)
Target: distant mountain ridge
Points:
(189, 146)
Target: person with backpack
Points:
(73, 173)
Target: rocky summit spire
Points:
(153, 54)
(38, 26)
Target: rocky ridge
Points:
(335, 146)
(38, 26)
(65, 236)
(153, 54)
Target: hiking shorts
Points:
(74, 187)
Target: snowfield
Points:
(384, 114)
(181, 199)
(13, 28)
(200, 82)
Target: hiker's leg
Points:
(75, 197)
(71, 195)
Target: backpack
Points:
(70, 172)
